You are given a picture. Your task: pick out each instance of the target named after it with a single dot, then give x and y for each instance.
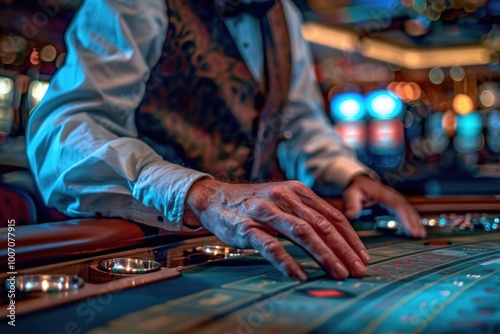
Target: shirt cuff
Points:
(163, 186)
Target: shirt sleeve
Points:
(312, 151)
(82, 141)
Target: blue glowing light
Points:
(494, 226)
(494, 120)
(469, 125)
(497, 220)
(467, 143)
(348, 107)
(442, 221)
(435, 121)
(384, 104)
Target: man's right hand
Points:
(251, 215)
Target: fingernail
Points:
(301, 275)
(359, 269)
(340, 270)
(364, 256)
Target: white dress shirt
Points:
(82, 140)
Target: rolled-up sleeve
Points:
(312, 152)
(82, 141)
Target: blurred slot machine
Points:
(386, 135)
(348, 111)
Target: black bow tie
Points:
(231, 8)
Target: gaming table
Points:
(447, 283)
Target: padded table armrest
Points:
(52, 242)
(456, 204)
(437, 205)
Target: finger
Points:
(353, 200)
(272, 250)
(410, 219)
(342, 225)
(406, 214)
(304, 235)
(347, 254)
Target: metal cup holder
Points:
(129, 265)
(224, 251)
(47, 283)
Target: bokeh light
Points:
(419, 5)
(6, 90)
(406, 91)
(494, 131)
(353, 133)
(48, 53)
(463, 104)
(468, 144)
(415, 28)
(457, 73)
(436, 137)
(469, 125)
(432, 14)
(494, 121)
(407, 3)
(384, 104)
(34, 57)
(449, 123)
(385, 136)
(37, 91)
(436, 75)
(487, 98)
(489, 95)
(348, 107)
(438, 5)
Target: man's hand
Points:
(251, 215)
(364, 191)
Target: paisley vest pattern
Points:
(202, 107)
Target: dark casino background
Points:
(412, 86)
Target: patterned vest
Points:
(202, 107)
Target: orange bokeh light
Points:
(463, 104)
(449, 123)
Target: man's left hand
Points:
(364, 191)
